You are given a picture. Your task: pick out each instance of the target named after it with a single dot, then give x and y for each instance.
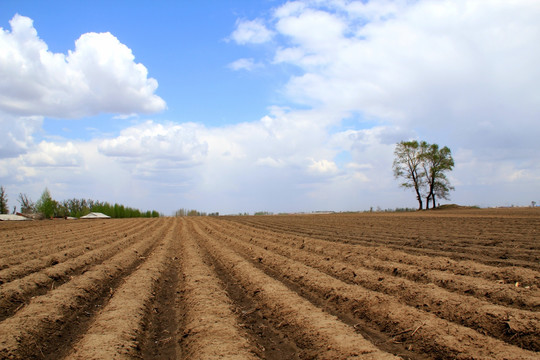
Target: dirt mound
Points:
(454, 207)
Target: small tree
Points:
(423, 167)
(27, 205)
(408, 165)
(3, 201)
(46, 205)
(435, 163)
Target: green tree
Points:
(436, 161)
(46, 205)
(3, 201)
(408, 165)
(424, 167)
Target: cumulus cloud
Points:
(99, 75)
(49, 154)
(315, 31)
(179, 144)
(281, 152)
(251, 32)
(59, 162)
(17, 134)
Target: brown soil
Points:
(453, 283)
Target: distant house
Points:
(95, 215)
(13, 217)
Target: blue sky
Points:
(182, 44)
(236, 106)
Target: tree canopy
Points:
(408, 165)
(436, 161)
(423, 168)
(46, 205)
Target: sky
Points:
(281, 106)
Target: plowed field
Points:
(451, 284)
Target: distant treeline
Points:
(187, 212)
(81, 207)
(49, 207)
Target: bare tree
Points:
(27, 206)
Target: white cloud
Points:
(443, 68)
(290, 8)
(323, 167)
(179, 145)
(17, 134)
(100, 75)
(251, 32)
(314, 31)
(229, 165)
(243, 64)
(49, 154)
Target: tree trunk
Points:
(431, 195)
(419, 197)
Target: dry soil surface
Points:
(448, 284)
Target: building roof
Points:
(95, 215)
(12, 217)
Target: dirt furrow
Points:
(510, 255)
(49, 320)
(59, 250)
(498, 257)
(268, 340)
(518, 327)
(52, 236)
(461, 239)
(62, 254)
(449, 340)
(449, 274)
(14, 295)
(317, 333)
(165, 319)
(117, 330)
(210, 328)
